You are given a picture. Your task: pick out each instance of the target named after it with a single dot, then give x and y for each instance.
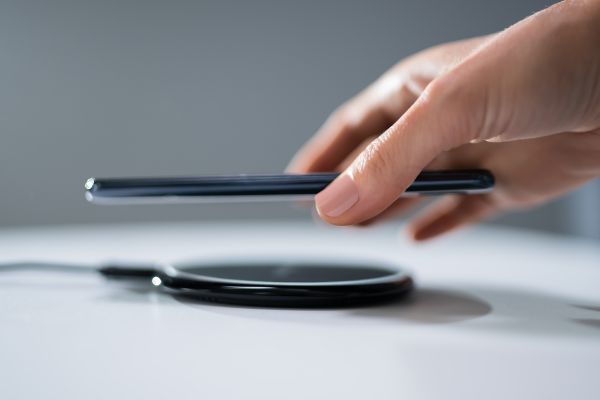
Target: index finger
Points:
(362, 117)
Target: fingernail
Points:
(338, 197)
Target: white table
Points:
(499, 314)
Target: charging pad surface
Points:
(286, 284)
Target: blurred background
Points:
(185, 87)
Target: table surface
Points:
(497, 314)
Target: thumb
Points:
(391, 162)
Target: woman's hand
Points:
(524, 103)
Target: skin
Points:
(523, 103)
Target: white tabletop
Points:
(497, 314)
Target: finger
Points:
(367, 115)
(354, 154)
(449, 214)
(342, 132)
(398, 208)
(343, 165)
(446, 160)
(390, 163)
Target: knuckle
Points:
(341, 120)
(374, 160)
(349, 117)
(461, 107)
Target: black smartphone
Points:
(264, 187)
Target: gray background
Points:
(116, 88)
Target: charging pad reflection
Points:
(288, 272)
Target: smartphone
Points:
(264, 187)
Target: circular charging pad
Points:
(274, 284)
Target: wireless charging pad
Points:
(279, 284)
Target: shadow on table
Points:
(431, 306)
(514, 310)
(509, 310)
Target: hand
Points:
(524, 103)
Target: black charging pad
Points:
(280, 284)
